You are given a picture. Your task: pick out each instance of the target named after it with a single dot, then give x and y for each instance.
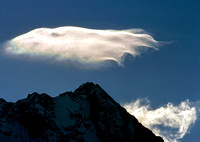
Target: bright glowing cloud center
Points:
(81, 45)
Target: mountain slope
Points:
(88, 114)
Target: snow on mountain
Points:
(88, 114)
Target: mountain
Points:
(88, 114)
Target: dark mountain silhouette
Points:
(88, 114)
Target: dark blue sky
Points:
(171, 74)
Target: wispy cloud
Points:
(170, 122)
(88, 47)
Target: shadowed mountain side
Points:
(88, 114)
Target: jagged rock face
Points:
(88, 114)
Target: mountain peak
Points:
(88, 114)
(87, 87)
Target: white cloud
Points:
(88, 47)
(170, 122)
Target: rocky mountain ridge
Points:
(88, 114)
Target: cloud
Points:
(82, 46)
(170, 122)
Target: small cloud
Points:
(170, 122)
(80, 46)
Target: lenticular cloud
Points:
(171, 122)
(81, 45)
